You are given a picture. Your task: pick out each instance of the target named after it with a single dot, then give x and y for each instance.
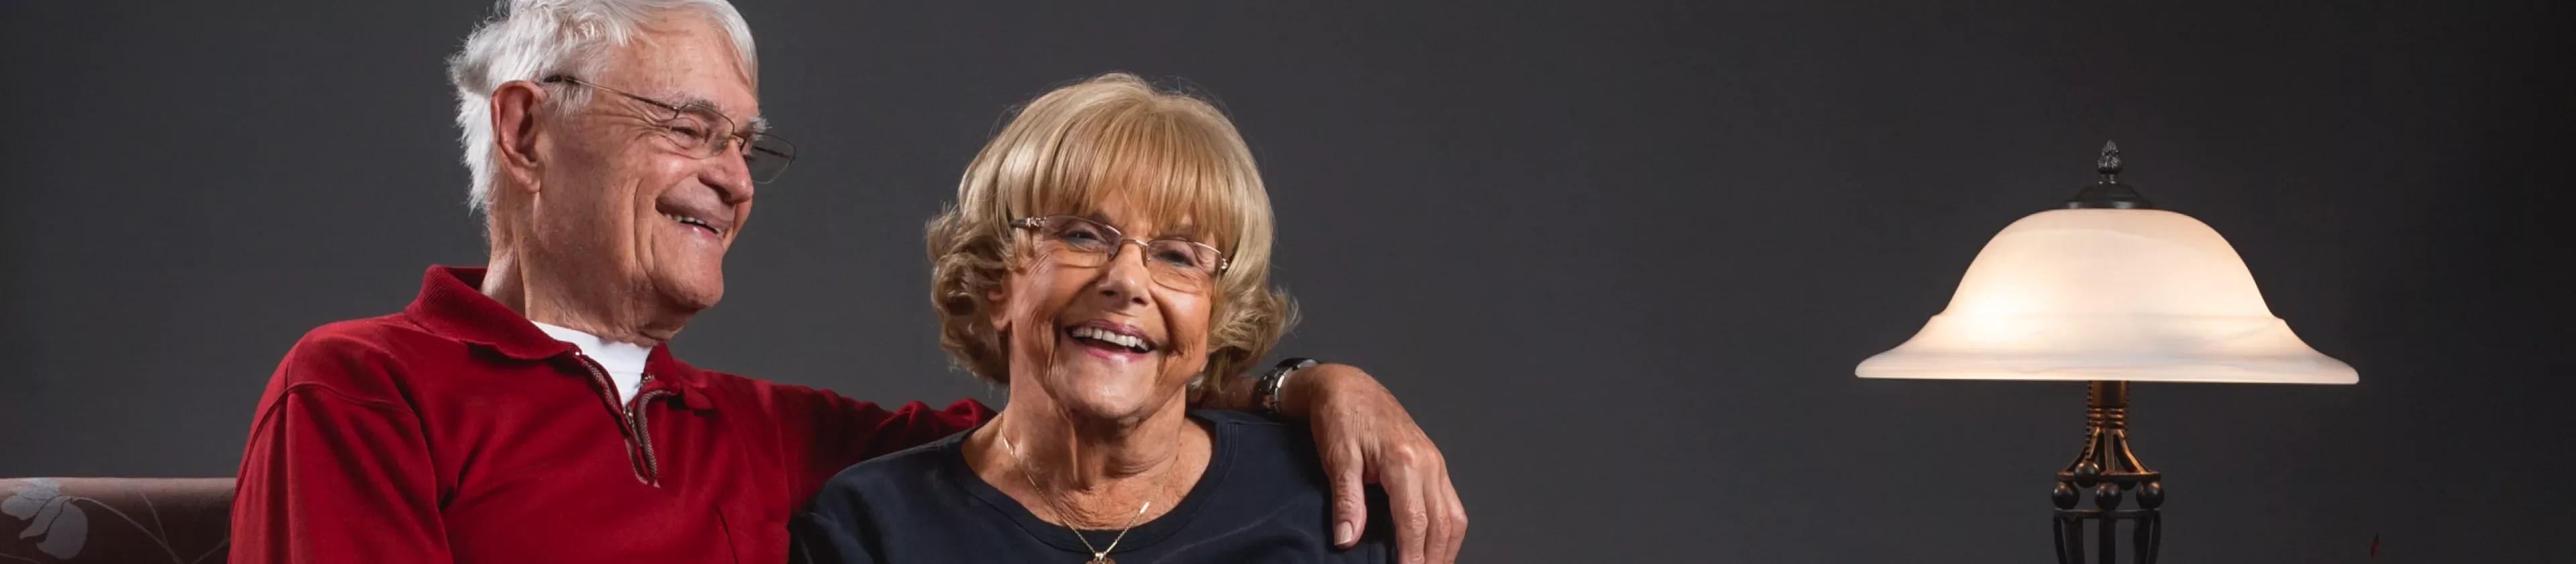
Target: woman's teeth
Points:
(1133, 343)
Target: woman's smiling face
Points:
(1109, 327)
(1105, 342)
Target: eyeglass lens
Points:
(1181, 265)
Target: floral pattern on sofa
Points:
(106, 520)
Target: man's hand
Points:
(1365, 437)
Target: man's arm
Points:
(1366, 437)
(831, 432)
(328, 477)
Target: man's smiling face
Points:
(626, 196)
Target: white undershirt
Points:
(623, 361)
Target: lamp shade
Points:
(2108, 294)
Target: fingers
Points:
(1348, 473)
(1409, 494)
(1451, 520)
(1443, 518)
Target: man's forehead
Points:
(682, 97)
(690, 66)
(690, 97)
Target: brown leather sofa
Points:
(109, 520)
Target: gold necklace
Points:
(1098, 555)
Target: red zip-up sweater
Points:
(456, 431)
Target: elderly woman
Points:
(1108, 248)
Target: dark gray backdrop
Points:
(1618, 258)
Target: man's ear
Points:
(515, 107)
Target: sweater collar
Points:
(451, 304)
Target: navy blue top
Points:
(1262, 499)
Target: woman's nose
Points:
(1127, 275)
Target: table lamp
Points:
(2108, 290)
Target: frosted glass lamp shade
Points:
(2108, 294)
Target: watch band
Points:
(1265, 393)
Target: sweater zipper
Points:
(639, 438)
(643, 431)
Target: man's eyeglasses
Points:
(1179, 264)
(707, 133)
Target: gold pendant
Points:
(1103, 560)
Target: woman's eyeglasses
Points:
(1179, 264)
(706, 133)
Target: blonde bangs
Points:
(1176, 163)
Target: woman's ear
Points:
(998, 301)
(998, 308)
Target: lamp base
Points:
(2110, 472)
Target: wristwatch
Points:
(1265, 393)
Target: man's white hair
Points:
(534, 39)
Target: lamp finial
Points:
(2110, 161)
(2108, 192)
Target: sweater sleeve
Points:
(328, 476)
(830, 433)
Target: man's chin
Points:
(692, 295)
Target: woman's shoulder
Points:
(900, 475)
(1263, 449)
(1273, 475)
(1256, 431)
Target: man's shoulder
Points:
(365, 331)
(358, 357)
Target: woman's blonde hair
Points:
(1063, 154)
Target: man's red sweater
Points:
(457, 431)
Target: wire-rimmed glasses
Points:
(1179, 264)
(708, 133)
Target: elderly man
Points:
(530, 411)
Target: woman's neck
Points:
(1086, 473)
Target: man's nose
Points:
(729, 174)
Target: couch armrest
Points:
(172, 520)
